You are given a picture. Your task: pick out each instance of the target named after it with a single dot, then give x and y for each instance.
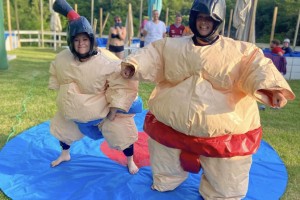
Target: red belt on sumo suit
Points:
(191, 147)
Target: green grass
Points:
(25, 101)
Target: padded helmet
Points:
(80, 25)
(216, 9)
(77, 24)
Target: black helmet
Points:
(80, 25)
(77, 24)
(216, 9)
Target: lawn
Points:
(25, 101)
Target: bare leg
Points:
(120, 54)
(64, 156)
(132, 168)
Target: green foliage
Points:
(285, 23)
(29, 14)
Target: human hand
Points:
(118, 29)
(277, 99)
(127, 72)
(112, 113)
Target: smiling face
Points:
(82, 43)
(204, 24)
(286, 44)
(155, 15)
(178, 20)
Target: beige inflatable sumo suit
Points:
(89, 84)
(204, 104)
(86, 91)
(205, 94)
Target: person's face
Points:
(155, 15)
(118, 20)
(204, 24)
(82, 43)
(273, 45)
(178, 20)
(286, 44)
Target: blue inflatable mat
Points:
(25, 172)
(101, 42)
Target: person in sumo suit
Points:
(204, 106)
(93, 99)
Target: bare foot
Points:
(153, 187)
(64, 156)
(132, 168)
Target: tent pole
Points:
(105, 21)
(100, 22)
(252, 26)
(167, 16)
(230, 22)
(141, 16)
(9, 24)
(17, 22)
(42, 22)
(92, 12)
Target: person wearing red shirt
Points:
(176, 29)
(275, 48)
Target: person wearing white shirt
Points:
(155, 29)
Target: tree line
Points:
(29, 14)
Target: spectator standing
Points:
(116, 38)
(176, 29)
(155, 29)
(142, 37)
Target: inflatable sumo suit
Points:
(87, 90)
(204, 106)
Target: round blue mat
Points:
(25, 172)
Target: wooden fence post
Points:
(273, 23)
(42, 22)
(9, 24)
(296, 31)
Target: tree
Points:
(286, 19)
(29, 14)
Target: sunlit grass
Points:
(25, 101)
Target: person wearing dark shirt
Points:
(286, 46)
(176, 29)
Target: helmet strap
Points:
(86, 55)
(205, 40)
